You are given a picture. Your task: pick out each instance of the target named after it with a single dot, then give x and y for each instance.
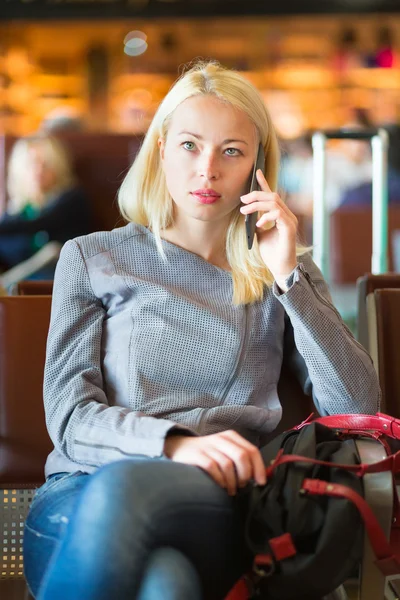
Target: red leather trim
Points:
(239, 592)
(387, 561)
(379, 422)
(283, 546)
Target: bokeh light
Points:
(135, 43)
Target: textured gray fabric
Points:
(137, 345)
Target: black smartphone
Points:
(251, 220)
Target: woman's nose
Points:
(208, 166)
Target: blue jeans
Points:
(145, 529)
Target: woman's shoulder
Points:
(104, 241)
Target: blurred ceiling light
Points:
(135, 34)
(135, 43)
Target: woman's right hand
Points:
(226, 456)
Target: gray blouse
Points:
(138, 346)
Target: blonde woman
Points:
(45, 202)
(163, 358)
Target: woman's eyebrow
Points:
(199, 137)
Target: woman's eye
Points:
(188, 145)
(232, 151)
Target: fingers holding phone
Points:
(275, 226)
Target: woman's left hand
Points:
(278, 243)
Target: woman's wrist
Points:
(171, 442)
(281, 279)
(281, 283)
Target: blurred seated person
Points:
(361, 195)
(45, 202)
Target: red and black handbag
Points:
(305, 526)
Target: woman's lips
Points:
(206, 197)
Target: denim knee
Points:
(171, 576)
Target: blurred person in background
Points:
(348, 164)
(361, 195)
(45, 202)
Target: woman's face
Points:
(208, 157)
(43, 176)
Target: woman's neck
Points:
(210, 246)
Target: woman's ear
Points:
(161, 147)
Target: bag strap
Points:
(386, 559)
(390, 463)
(380, 422)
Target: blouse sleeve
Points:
(331, 365)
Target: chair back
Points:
(387, 302)
(366, 312)
(24, 441)
(31, 287)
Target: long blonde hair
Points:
(19, 183)
(144, 198)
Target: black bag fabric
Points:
(325, 534)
